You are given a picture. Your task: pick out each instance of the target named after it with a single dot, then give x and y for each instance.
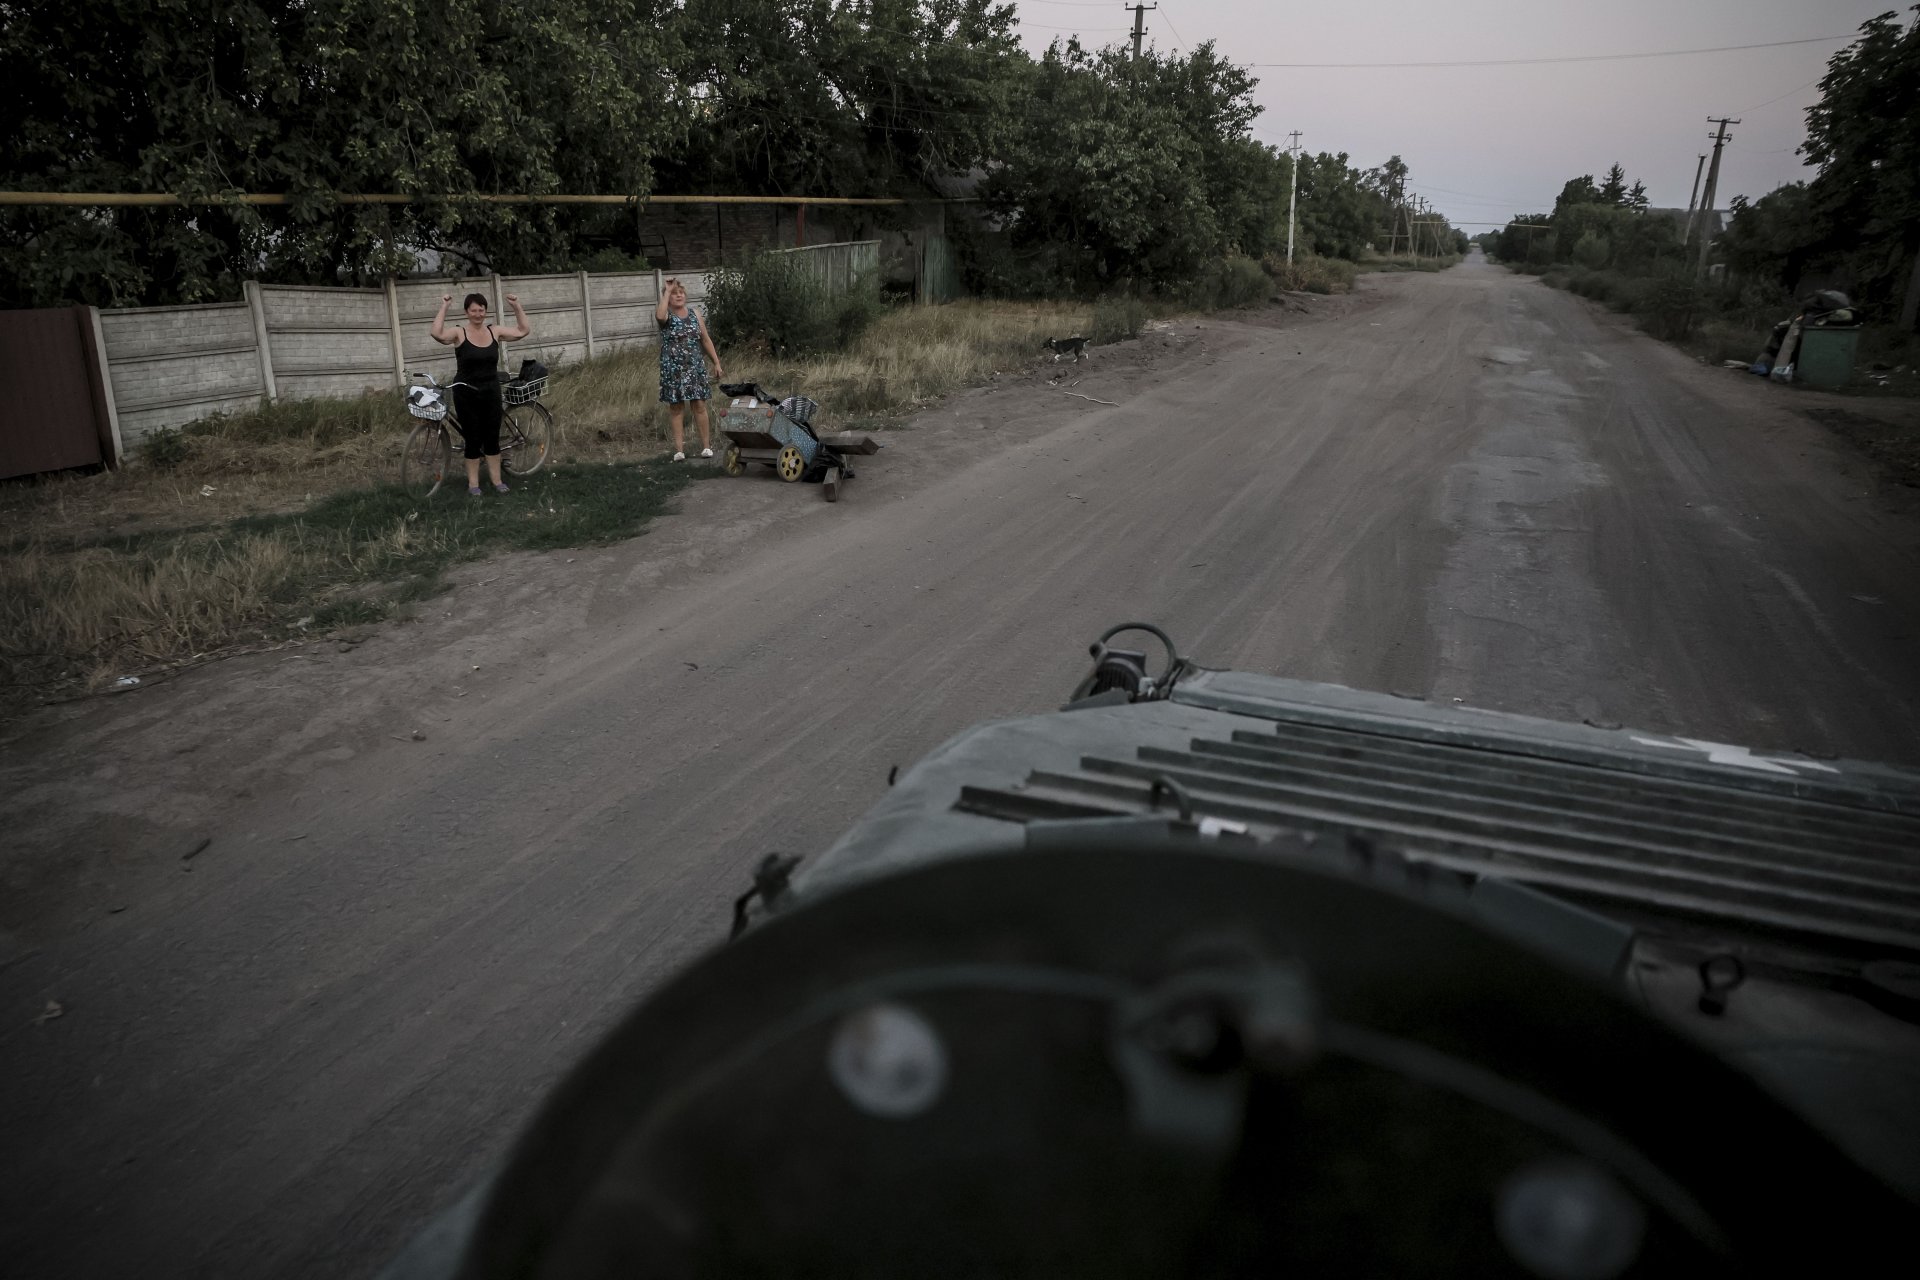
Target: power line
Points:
(1788, 94)
(1532, 62)
(1178, 43)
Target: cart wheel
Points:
(730, 461)
(791, 465)
(830, 483)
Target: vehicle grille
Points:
(1614, 838)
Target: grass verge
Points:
(76, 613)
(1311, 274)
(254, 528)
(1408, 262)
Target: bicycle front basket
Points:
(426, 402)
(518, 392)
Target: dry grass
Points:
(282, 522)
(611, 406)
(1410, 262)
(1311, 274)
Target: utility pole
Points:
(1139, 29)
(1706, 199)
(1692, 200)
(1293, 192)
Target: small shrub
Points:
(1117, 317)
(165, 448)
(1312, 274)
(611, 260)
(1232, 281)
(1592, 251)
(1668, 306)
(777, 299)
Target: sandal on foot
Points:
(473, 491)
(679, 457)
(706, 453)
(499, 486)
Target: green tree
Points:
(1343, 209)
(1864, 137)
(813, 97)
(314, 98)
(1613, 189)
(1117, 168)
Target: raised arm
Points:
(666, 291)
(522, 327)
(441, 333)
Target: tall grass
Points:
(79, 612)
(1311, 274)
(1409, 262)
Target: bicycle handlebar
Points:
(444, 386)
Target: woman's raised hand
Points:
(513, 299)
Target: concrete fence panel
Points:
(170, 365)
(326, 342)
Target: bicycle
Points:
(526, 432)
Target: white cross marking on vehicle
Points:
(1738, 757)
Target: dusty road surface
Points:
(276, 1056)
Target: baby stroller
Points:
(778, 432)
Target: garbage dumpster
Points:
(1826, 355)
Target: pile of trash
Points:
(1829, 308)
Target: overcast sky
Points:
(1483, 143)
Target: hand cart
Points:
(765, 428)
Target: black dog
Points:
(1075, 346)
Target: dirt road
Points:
(278, 1055)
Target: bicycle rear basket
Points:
(519, 392)
(426, 402)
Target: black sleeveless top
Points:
(479, 366)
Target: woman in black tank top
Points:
(476, 354)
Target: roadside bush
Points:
(613, 260)
(1592, 251)
(165, 448)
(777, 299)
(1117, 317)
(1232, 281)
(1310, 273)
(1668, 306)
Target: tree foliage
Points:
(1862, 210)
(1121, 168)
(1100, 167)
(314, 98)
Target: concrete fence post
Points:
(393, 334)
(586, 311)
(257, 305)
(106, 384)
(500, 310)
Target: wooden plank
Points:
(830, 483)
(848, 442)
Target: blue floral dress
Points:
(683, 373)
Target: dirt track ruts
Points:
(281, 1056)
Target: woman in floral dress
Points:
(683, 374)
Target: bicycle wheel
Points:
(427, 460)
(526, 438)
